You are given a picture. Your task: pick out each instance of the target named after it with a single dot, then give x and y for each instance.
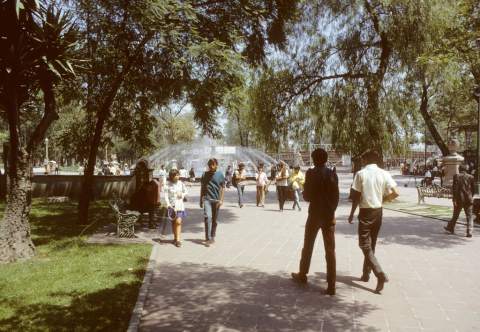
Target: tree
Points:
(36, 49)
(170, 51)
(345, 68)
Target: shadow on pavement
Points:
(205, 297)
(405, 229)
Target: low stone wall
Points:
(70, 185)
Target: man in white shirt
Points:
(428, 179)
(369, 185)
(281, 180)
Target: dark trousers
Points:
(468, 208)
(312, 227)
(370, 222)
(282, 195)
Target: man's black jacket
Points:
(321, 190)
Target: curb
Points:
(137, 311)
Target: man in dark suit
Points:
(463, 192)
(321, 190)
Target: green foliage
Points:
(84, 287)
(349, 74)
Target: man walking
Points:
(228, 175)
(241, 176)
(192, 176)
(211, 199)
(162, 174)
(463, 192)
(281, 180)
(321, 190)
(368, 187)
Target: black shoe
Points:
(382, 279)
(331, 289)
(365, 277)
(212, 240)
(207, 243)
(448, 230)
(301, 278)
(469, 235)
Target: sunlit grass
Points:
(71, 285)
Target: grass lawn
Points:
(85, 287)
(438, 212)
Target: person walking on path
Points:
(369, 185)
(174, 193)
(228, 176)
(321, 190)
(297, 179)
(183, 174)
(192, 177)
(262, 180)
(211, 199)
(162, 174)
(273, 173)
(463, 191)
(443, 173)
(281, 180)
(241, 176)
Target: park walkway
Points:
(242, 283)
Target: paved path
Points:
(242, 283)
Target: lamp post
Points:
(312, 137)
(46, 149)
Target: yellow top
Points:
(299, 176)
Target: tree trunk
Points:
(88, 177)
(428, 120)
(239, 129)
(15, 241)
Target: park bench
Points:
(125, 219)
(434, 191)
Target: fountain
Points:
(196, 154)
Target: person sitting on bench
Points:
(144, 201)
(428, 179)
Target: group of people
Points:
(281, 176)
(320, 189)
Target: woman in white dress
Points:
(174, 193)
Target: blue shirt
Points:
(213, 182)
(162, 173)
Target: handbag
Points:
(295, 185)
(179, 205)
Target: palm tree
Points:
(37, 51)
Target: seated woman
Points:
(144, 201)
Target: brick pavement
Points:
(242, 283)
